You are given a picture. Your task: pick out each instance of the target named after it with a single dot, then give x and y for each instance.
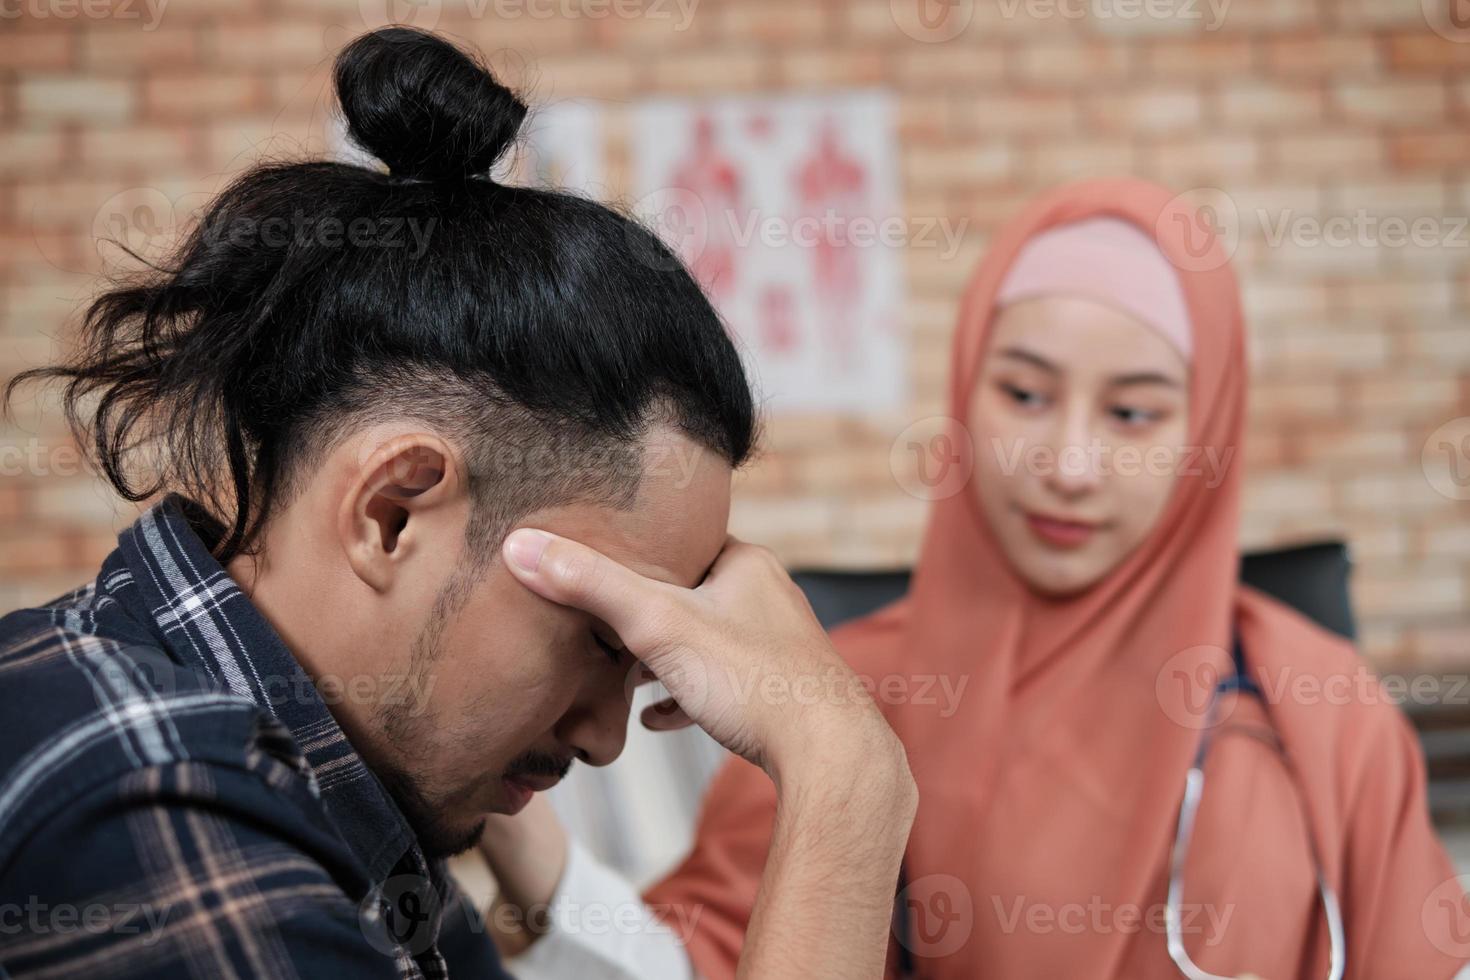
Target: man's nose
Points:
(596, 726)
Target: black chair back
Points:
(1311, 578)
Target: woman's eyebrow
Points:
(1145, 378)
(1036, 360)
(1117, 380)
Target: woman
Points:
(1090, 610)
(1079, 592)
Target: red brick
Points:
(1351, 55)
(1295, 400)
(1073, 62)
(600, 76)
(1203, 159)
(1280, 493)
(30, 550)
(1427, 52)
(1440, 343)
(1170, 110)
(31, 50)
(1430, 150)
(1444, 540)
(926, 66)
(161, 147)
(1380, 13)
(1268, 15)
(1269, 298)
(924, 119)
(188, 95)
(1439, 648)
(1253, 103)
(773, 22)
(46, 97)
(1055, 160)
(661, 27)
(1402, 493)
(713, 71)
(30, 150)
(1393, 102)
(1195, 57)
(1398, 295)
(263, 45)
(1402, 196)
(1407, 398)
(1019, 112)
(1334, 346)
(121, 47)
(1407, 591)
(1343, 443)
(959, 166)
(1326, 152)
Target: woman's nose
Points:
(1077, 467)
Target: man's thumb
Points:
(569, 573)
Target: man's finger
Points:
(569, 573)
(665, 716)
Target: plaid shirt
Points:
(176, 800)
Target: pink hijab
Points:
(1049, 800)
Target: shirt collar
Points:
(206, 622)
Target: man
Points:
(434, 511)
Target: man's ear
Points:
(402, 485)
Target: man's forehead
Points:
(673, 531)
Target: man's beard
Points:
(436, 837)
(407, 728)
(425, 817)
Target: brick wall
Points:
(1302, 111)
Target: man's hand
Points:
(527, 854)
(719, 648)
(845, 799)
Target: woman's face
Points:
(1079, 418)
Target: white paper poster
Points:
(563, 148)
(787, 209)
(561, 145)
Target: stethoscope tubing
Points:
(1188, 808)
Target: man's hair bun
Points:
(423, 107)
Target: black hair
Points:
(540, 331)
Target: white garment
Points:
(637, 815)
(600, 927)
(627, 825)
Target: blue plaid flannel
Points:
(176, 799)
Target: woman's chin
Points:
(1061, 576)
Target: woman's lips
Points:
(1059, 532)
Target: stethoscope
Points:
(1194, 784)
